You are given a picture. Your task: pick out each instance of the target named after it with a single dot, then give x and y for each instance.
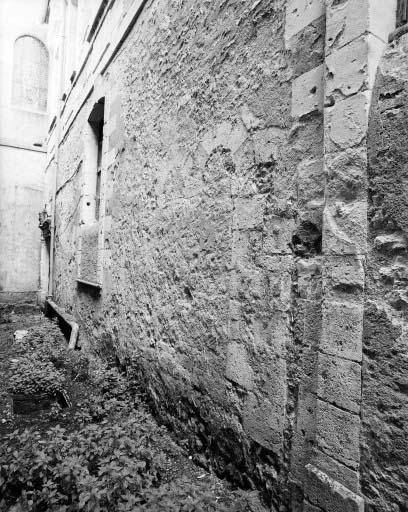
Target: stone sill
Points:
(89, 283)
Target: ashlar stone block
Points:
(339, 382)
(342, 330)
(272, 332)
(338, 434)
(343, 274)
(312, 325)
(347, 68)
(345, 228)
(353, 67)
(351, 19)
(304, 434)
(307, 92)
(350, 478)
(347, 122)
(279, 279)
(300, 13)
(330, 495)
(347, 175)
(238, 369)
(311, 183)
(264, 421)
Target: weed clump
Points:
(111, 455)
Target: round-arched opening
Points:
(30, 73)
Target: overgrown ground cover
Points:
(105, 452)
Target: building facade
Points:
(226, 187)
(24, 63)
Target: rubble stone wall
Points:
(232, 242)
(213, 201)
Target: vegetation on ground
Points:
(106, 454)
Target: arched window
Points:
(30, 73)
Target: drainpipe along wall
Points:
(61, 74)
(62, 68)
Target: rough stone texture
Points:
(339, 382)
(337, 434)
(352, 55)
(348, 20)
(342, 330)
(230, 210)
(238, 369)
(329, 494)
(344, 275)
(346, 180)
(307, 47)
(347, 122)
(347, 69)
(336, 470)
(307, 92)
(385, 386)
(308, 507)
(201, 227)
(345, 228)
(299, 14)
(88, 268)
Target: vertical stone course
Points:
(352, 56)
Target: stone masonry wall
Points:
(233, 238)
(385, 375)
(213, 211)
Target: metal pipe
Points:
(69, 319)
(56, 158)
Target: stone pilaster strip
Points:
(355, 35)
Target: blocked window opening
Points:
(96, 120)
(30, 73)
